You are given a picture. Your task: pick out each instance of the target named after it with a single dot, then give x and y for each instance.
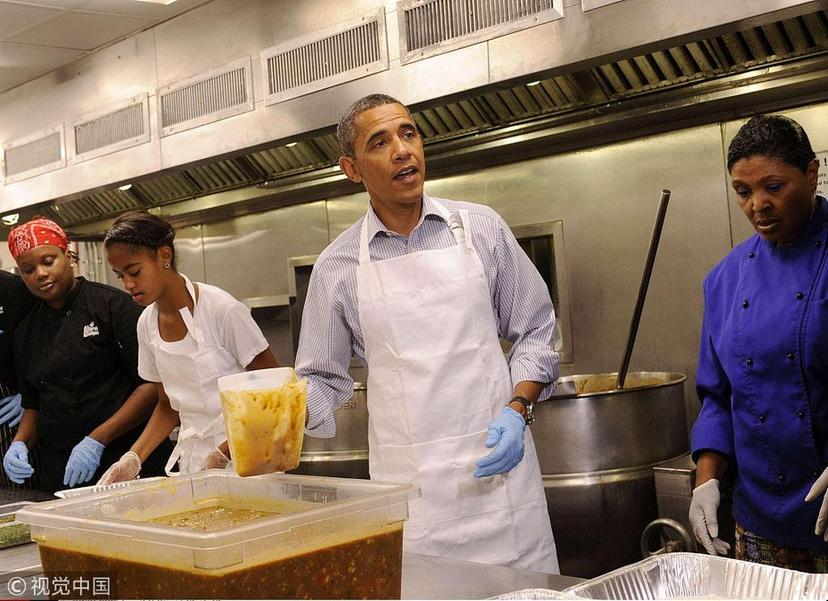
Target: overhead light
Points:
(533, 83)
(291, 144)
(125, 187)
(10, 219)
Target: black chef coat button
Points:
(790, 356)
(751, 254)
(780, 477)
(749, 361)
(762, 418)
(745, 304)
(799, 296)
(800, 414)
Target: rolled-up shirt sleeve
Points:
(713, 430)
(525, 315)
(324, 354)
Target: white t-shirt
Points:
(226, 325)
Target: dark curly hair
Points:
(773, 136)
(139, 229)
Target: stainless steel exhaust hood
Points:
(528, 64)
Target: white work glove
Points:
(126, 468)
(216, 460)
(819, 487)
(703, 518)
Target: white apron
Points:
(191, 382)
(436, 379)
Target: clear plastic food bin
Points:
(333, 538)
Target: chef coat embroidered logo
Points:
(90, 330)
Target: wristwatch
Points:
(530, 408)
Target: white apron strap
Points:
(189, 321)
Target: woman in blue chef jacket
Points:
(763, 365)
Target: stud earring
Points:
(166, 265)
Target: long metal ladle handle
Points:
(642, 289)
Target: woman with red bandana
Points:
(77, 363)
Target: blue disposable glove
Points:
(16, 462)
(11, 411)
(506, 436)
(84, 460)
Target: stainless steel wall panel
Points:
(248, 256)
(344, 211)
(190, 252)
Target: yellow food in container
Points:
(264, 416)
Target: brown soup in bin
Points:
(273, 536)
(367, 568)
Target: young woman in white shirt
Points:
(189, 335)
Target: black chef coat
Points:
(15, 302)
(77, 365)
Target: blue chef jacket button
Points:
(745, 304)
(751, 254)
(780, 477)
(800, 414)
(790, 356)
(749, 361)
(799, 296)
(762, 418)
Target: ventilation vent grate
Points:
(437, 26)
(218, 95)
(120, 126)
(34, 157)
(326, 59)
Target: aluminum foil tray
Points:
(535, 593)
(698, 576)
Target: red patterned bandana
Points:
(36, 232)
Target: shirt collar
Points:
(376, 226)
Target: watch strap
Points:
(529, 405)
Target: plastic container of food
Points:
(13, 532)
(264, 416)
(334, 538)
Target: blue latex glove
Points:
(84, 460)
(11, 410)
(506, 436)
(16, 462)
